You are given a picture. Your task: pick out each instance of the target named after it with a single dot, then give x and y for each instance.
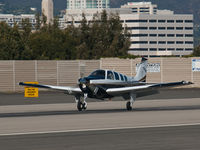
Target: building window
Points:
(189, 49)
(170, 42)
(170, 21)
(139, 42)
(153, 42)
(179, 42)
(188, 28)
(162, 42)
(139, 49)
(152, 28)
(170, 35)
(189, 35)
(152, 35)
(179, 21)
(161, 21)
(139, 28)
(170, 28)
(152, 21)
(188, 21)
(171, 49)
(188, 42)
(179, 35)
(161, 28)
(179, 28)
(153, 49)
(139, 35)
(161, 35)
(129, 21)
(162, 49)
(179, 49)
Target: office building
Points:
(11, 19)
(153, 32)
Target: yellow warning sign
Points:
(31, 91)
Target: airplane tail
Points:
(142, 71)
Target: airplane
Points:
(106, 84)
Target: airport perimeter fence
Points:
(67, 72)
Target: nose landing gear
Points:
(81, 104)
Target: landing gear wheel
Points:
(84, 106)
(128, 106)
(81, 106)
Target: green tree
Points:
(196, 51)
(38, 21)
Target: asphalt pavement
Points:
(168, 121)
(161, 138)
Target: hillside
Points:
(179, 6)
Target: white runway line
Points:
(100, 129)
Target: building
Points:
(47, 10)
(153, 32)
(11, 19)
(87, 4)
(141, 7)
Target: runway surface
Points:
(167, 138)
(153, 124)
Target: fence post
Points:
(57, 75)
(192, 75)
(101, 63)
(14, 76)
(36, 75)
(131, 67)
(161, 70)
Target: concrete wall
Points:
(67, 72)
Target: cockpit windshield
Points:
(98, 73)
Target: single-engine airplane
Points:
(103, 84)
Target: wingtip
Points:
(21, 83)
(187, 82)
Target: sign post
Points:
(31, 91)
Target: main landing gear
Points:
(81, 104)
(129, 104)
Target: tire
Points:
(128, 106)
(79, 106)
(84, 106)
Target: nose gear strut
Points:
(81, 103)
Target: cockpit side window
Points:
(122, 78)
(125, 77)
(110, 75)
(99, 73)
(116, 76)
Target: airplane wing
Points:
(68, 89)
(147, 87)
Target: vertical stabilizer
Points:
(142, 71)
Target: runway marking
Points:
(100, 129)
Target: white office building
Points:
(87, 4)
(47, 10)
(153, 32)
(11, 19)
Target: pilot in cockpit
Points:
(110, 75)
